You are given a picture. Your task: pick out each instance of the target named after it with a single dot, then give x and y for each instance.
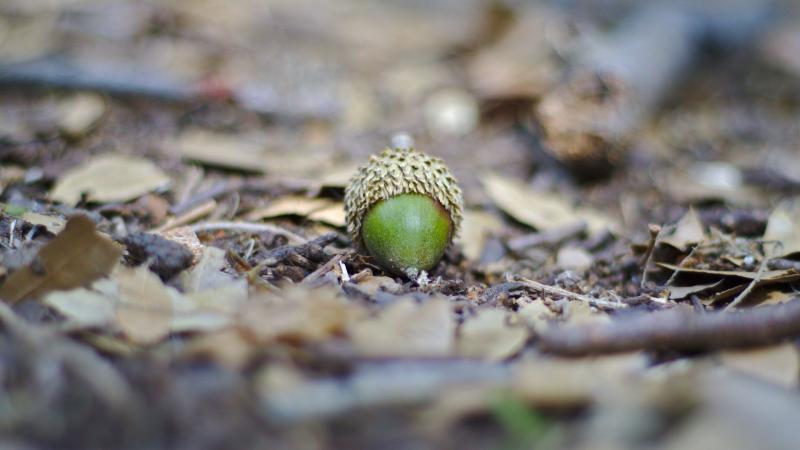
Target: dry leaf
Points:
(407, 329)
(187, 237)
(557, 382)
(76, 257)
(82, 306)
(477, 226)
(783, 227)
(768, 275)
(678, 292)
(109, 178)
(210, 309)
(244, 153)
(689, 230)
(52, 223)
(489, 336)
(227, 347)
(540, 210)
(370, 285)
(144, 310)
(80, 113)
(318, 209)
(208, 272)
(778, 364)
(574, 258)
(298, 313)
(535, 314)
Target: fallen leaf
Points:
(489, 336)
(678, 292)
(535, 314)
(210, 309)
(768, 275)
(144, 309)
(109, 178)
(783, 227)
(371, 284)
(407, 329)
(540, 210)
(574, 258)
(318, 209)
(244, 153)
(777, 364)
(76, 257)
(558, 382)
(185, 236)
(689, 230)
(475, 229)
(52, 223)
(227, 347)
(208, 272)
(80, 113)
(82, 307)
(298, 313)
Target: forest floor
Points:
(176, 271)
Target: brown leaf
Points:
(144, 310)
(689, 230)
(80, 113)
(540, 210)
(298, 313)
(407, 329)
(678, 292)
(109, 178)
(777, 364)
(783, 227)
(76, 257)
(220, 150)
(477, 226)
(318, 209)
(558, 382)
(82, 307)
(227, 347)
(489, 336)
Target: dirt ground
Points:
(175, 270)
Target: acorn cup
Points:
(404, 209)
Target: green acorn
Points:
(403, 208)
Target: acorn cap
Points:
(395, 172)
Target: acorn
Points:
(404, 209)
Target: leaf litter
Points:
(272, 331)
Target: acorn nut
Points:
(404, 208)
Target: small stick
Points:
(680, 266)
(655, 233)
(555, 290)
(189, 216)
(753, 283)
(678, 329)
(249, 227)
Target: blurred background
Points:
(571, 121)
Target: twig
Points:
(189, 216)
(753, 283)
(249, 227)
(678, 329)
(680, 265)
(555, 290)
(655, 233)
